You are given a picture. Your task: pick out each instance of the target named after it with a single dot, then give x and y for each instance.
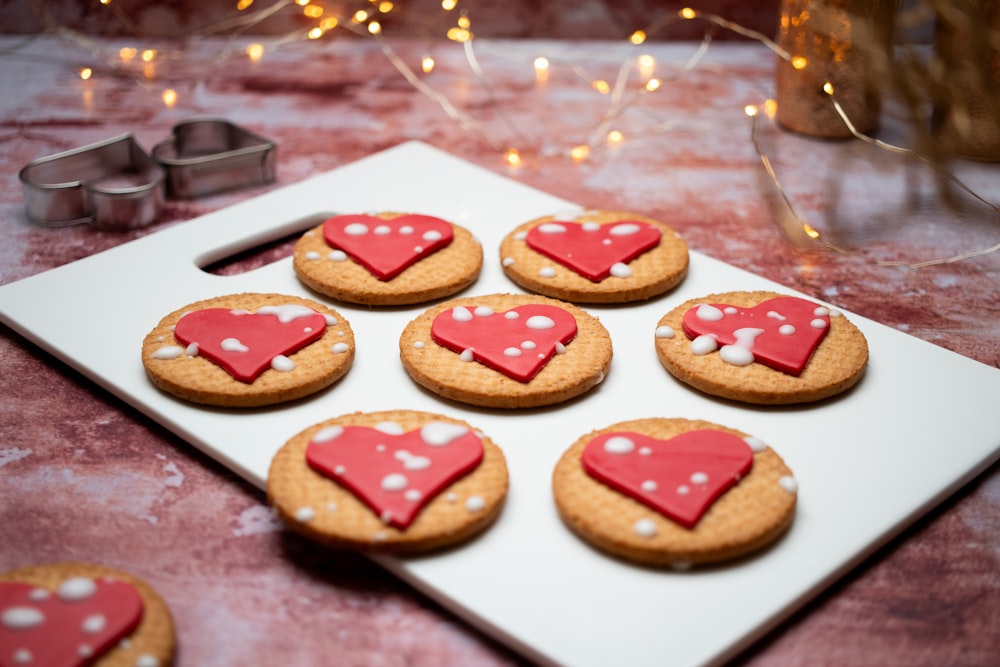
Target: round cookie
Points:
(428, 481)
(750, 347)
(675, 466)
(53, 614)
(248, 350)
(595, 257)
(387, 259)
(488, 351)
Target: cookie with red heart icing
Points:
(674, 492)
(761, 347)
(248, 350)
(398, 481)
(506, 350)
(387, 259)
(66, 614)
(595, 256)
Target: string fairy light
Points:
(619, 98)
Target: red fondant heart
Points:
(517, 342)
(679, 478)
(73, 625)
(387, 247)
(781, 333)
(591, 249)
(246, 344)
(395, 474)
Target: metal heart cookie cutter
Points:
(115, 185)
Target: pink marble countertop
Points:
(85, 477)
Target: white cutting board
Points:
(921, 423)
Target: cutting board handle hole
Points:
(257, 252)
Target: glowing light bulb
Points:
(448, 5)
(601, 86)
(105, 2)
(374, 27)
(799, 62)
(329, 23)
(170, 97)
(579, 153)
(315, 33)
(255, 52)
(127, 53)
(512, 157)
(457, 34)
(750, 110)
(688, 13)
(652, 85)
(427, 64)
(637, 37)
(463, 22)
(360, 16)
(302, 3)
(828, 88)
(541, 63)
(615, 137)
(385, 6)
(86, 73)
(148, 55)
(810, 232)
(312, 11)
(243, 4)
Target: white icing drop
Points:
(625, 230)
(620, 270)
(512, 315)
(461, 314)
(330, 320)
(312, 255)
(23, 657)
(775, 315)
(76, 588)
(755, 444)
(233, 345)
(483, 311)
(168, 352)
(567, 215)
(286, 312)
(520, 236)
(789, 484)
(645, 451)
(740, 353)
(337, 256)
(305, 514)
(94, 624)
(147, 660)
(475, 504)
(282, 364)
(356, 229)
(649, 486)
(528, 345)
(406, 230)
(412, 462)
(786, 329)
(699, 478)
(704, 344)
(560, 348)
(327, 434)
(508, 261)
(730, 310)
(664, 332)
(708, 313)
(438, 434)
(540, 322)
(20, 618)
(339, 470)
(820, 311)
(512, 352)
(394, 482)
(547, 272)
(818, 323)
(382, 230)
(191, 350)
(591, 227)
(413, 495)
(418, 344)
(38, 594)
(683, 490)
(466, 355)
(644, 528)
(619, 444)
(340, 348)
(551, 228)
(451, 497)
(390, 428)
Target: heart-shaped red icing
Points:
(781, 333)
(679, 478)
(395, 473)
(387, 247)
(70, 626)
(246, 344)
(590, 249)
(517, 342)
